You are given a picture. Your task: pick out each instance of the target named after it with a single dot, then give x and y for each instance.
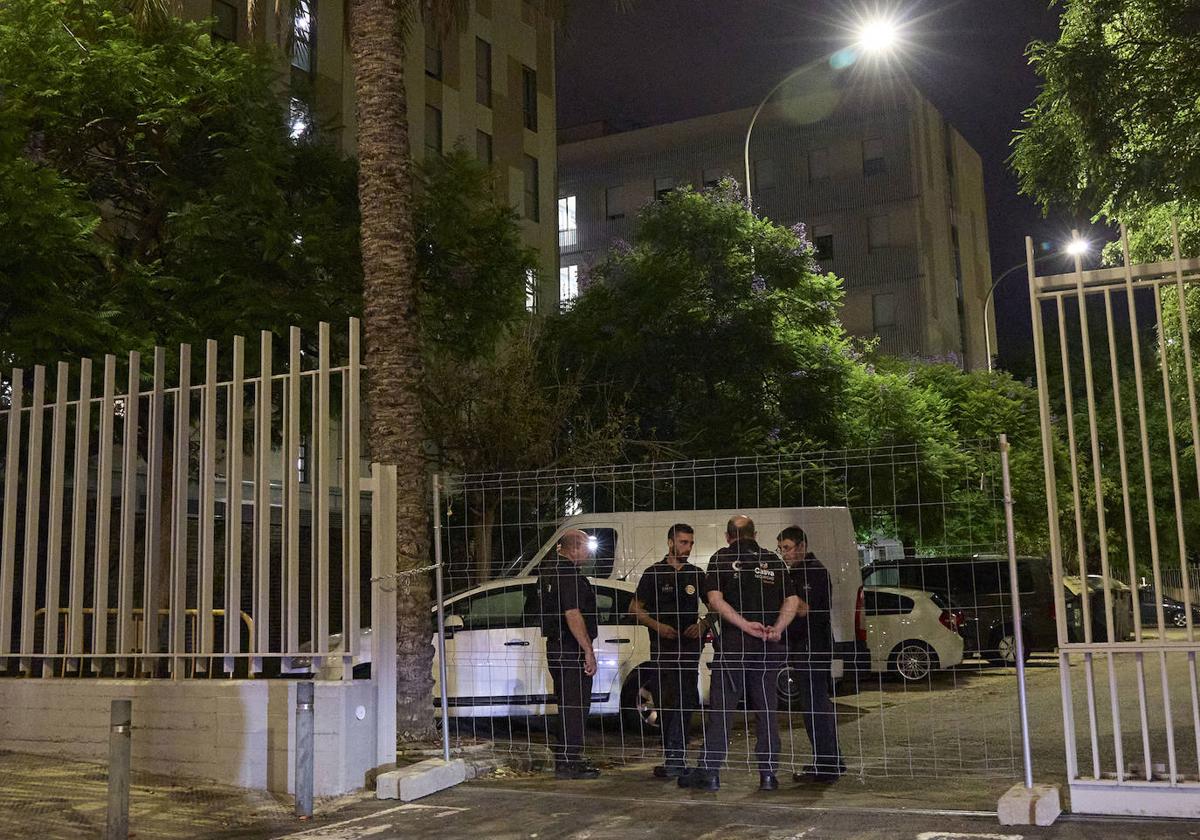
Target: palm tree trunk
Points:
(392, 350)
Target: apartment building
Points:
(891, 194)
(488, 86)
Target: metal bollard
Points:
(304, 750)
(119, 740)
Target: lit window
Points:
(568, 225)
(483, 72)
(531, 291)
(433, 130)
(568, 285)
(818, 164)
(873, 161)
(879, 232)
(225, 25)
(662, 186)
(531, 189)
(883, 310)
(304, 25)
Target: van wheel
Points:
(913, 660)
(640, 710)
(1002, 650)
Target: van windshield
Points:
(602, 553)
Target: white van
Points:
(623, 545)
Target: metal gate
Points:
(1121, 503)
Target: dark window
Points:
(483, 147)
(433, 52)
(531, 189)
(304, 35)
(663, 187)
(873, 160)
(886, 603)
(612, 605)
(225, 26)
(529, 97)
(823, 242)
(302, 461)
(483, 72)
(433, 130)
(494, 609)
(1024, 577)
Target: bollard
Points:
(121, 721)
(304, 750)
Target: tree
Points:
(717, 328)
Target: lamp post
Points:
(1076, 247)
(877, 36)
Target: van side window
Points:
(602, 552)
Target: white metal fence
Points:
(189, 516)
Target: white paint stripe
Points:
(943, 835)
(322, 832)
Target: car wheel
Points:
(1003, 650)
(1179, 619)
(639, 703)
(913, 660)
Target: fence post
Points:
(121, 719)
(1018, 634)
(441, 614)
(304, 750)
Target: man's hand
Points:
(774, 634)
(693, 631)
(667, 631)
(756, 629)
(589, 662)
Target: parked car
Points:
(978, 587)
(1122, 599)
(1174, 611)
(496, 655)
(909, 632)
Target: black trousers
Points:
(757, 684)
(573, 694)
(678, 698)
(814, 684)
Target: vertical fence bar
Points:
(304, 749)
(1049, 474)
(443, 690)
(321, 447)
(1017, 618)
(8, 548)
(208, 511)
(262, 504)
(79, 498)
(53, 564)
(104, 477)
(129, 460)
(33, 509)
(235, 406)
(177, 613)
(154, 576)
(351, 504)
(383, 608)
(291, 478)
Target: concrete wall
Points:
(238, 732)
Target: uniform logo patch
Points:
(689, 589)
(765, 574)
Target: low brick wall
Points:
(239, 732)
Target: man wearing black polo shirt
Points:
(668, 602)
(810, 653)
(749, 588)
(568, 604)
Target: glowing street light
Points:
(1078, 247)
(878, 35)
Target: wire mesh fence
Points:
(644, 613)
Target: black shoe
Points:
(700, 779)
(575, 770)
(667, 771)
(809, 773)
(767, 781)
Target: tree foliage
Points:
(150, 191)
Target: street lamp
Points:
(876, 36)
(1075, 248)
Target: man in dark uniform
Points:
(810, 653)
(750, 590)
(668, 603)
(568, 611)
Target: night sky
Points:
(666, 60)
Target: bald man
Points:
(568, 605)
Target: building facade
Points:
(488, 86)
(890, 193)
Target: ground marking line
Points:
(407, 806)
(948, 835)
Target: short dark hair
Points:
(679, 528)
(740, 527)
(794, 533)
